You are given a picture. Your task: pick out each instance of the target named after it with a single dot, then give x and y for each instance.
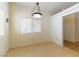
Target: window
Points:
(28, 25)
(36, 25)
(2, 22)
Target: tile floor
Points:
(71, 45)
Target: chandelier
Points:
(36, 13)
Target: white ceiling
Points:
(50, 7)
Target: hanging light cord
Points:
(38, 9)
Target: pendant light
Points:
(36, 13)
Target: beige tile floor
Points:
(74, 46)
(42, 50)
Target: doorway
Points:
(71, 32)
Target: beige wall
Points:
(4, 39)
(77, 26)
(72, 27)
(69, 28)
(18, 39)
(57, 24)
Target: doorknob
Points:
(6, 20)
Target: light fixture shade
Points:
(36, 13)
